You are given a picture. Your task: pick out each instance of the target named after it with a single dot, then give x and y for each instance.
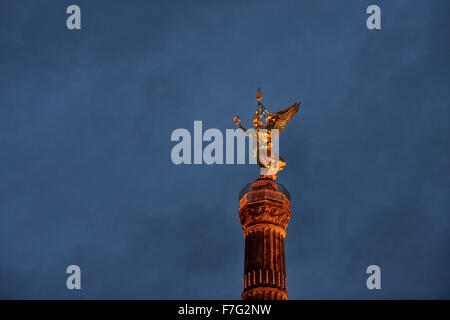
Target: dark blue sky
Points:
(86, 117)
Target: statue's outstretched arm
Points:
(237, 121)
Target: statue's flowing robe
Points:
(268, 160)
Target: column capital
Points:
(264, 204)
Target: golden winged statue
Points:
(263, 136)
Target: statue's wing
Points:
(280, 119)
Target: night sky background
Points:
(86, 117)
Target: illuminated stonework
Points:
(264, 210)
